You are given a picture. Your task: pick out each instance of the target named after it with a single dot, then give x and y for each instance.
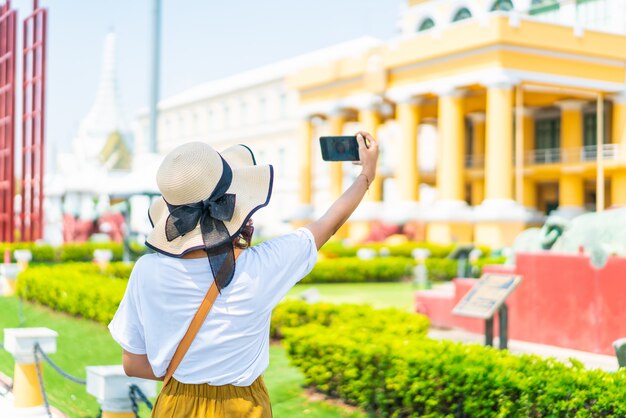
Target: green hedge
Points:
(336, 249)
(441, 269)
(294, 314)
(354, 270)
(396, 374)
(386, 269)
(42, 253)
(69, 252)
(84, 251)
(78, 289)
(119, 270)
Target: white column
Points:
(499, 204)
(571, 184)
(450, 181)
(304, 210)
(406, 171)
(449, 219)
(369, 119)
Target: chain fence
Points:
(60, 371)
(135, 395)
(40, 379)
(134, 392)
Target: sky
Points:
(201, 41)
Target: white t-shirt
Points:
(232, 346)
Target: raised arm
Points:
(326, 226)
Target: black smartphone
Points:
(339, 148)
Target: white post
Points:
(103, 258)
(20, 342)
(8, 276)
(23, 257)
(420, 271)
(110, 386)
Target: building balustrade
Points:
(611, 152)
(474, 161)
(588, 153)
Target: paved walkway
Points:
(590, 360)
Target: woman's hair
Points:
(244, 240)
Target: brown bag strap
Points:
(194, 327)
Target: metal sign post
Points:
(487, 297)
(503, 317)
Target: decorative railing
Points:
(610, 152)
(474, 161)
(543, 156)
(589, 153)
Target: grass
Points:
(288, 400)
(379, 295)
(84, 343)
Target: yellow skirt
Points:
(205, 401)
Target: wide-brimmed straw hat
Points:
(207, 198)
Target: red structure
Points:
(8, 26)
(562, 300)
(33, 105)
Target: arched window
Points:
(426, 24)
(502, 5)
(462, 14)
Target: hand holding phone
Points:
(368, 151)
(339, 148)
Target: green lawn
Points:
(379, 295)
(86, 343)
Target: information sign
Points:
(487, 295)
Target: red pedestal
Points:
(562, 301)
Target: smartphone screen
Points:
(339, 148)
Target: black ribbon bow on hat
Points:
(211, 213)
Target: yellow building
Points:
(513, 90)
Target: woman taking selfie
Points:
(203, 327)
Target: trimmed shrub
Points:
(293, 314)
(119, 270)
(79, 289)
(42, 253)
(336, 249)
(402, 375)
(355, 270)
(84, 251)
(69, 252)
(441, 269)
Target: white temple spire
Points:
(105, 116)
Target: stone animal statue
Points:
(598, 234)
(540, 239)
